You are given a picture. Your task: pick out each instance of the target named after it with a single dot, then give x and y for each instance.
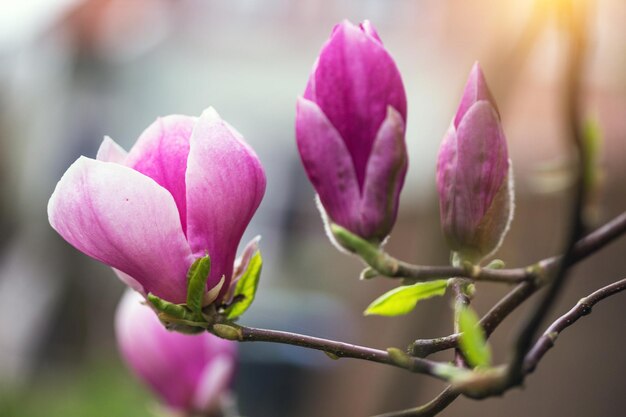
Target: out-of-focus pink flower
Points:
(474, 179)
(188, 372)
(350, 128)
(188, 187)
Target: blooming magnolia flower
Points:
(474, 179)
(189, 373)
(188, 187)
(350, 131)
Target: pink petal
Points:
(384, 178)
(242, 262)
(354, 82)
(161, 154)
(173, 364)
(446, 181)
(214, 381)
(130, 282)
(482, 164)
(225, 185)
(367, 27)
(110, 151)
(328, 165)
(476, 89)
(125, 220)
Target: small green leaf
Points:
(496, 264)
(402, 300)
(368, 273)
(176, 311)
(196, 283)
(370, 252)
(472, 342)
(245, 289)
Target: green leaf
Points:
(473, 343)
(496, 264)
(402, 300)
(245, 290)
(368, 251)
(368, 273)
(196, 283)
(176, 311)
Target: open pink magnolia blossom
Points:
(350, 126)
(188, 187)
(189, 373)
(474, 177)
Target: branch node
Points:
(332, 355)
(227, 332)
(399, 357)
(585, 307)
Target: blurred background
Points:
(72, 71)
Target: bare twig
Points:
(489, 322)
(336, 349)
(574, 71)
(583, 248)
(431, 408)
(581, 309)
(461, 301)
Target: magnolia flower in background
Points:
(188, 187)
(350, 128)
(474, 177)
(189, 373)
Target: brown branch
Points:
(336, 349)
(583, 248)
(489, 322)
(577, 16)
(461, 301)
(543, 344)
(581, 309)
(431, 408)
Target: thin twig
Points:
(574, 72)
(431, 408)
(583, 248)
(489, 322)
(581, 309)
(461, 301)
(335, 350)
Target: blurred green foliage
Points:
(101, 388)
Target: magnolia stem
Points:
(461, 301)
(496, 314)
(431, 408)
(577, 16)
(489, 322)
(581, 309)
(336, 350)
(583, 248)
(543, 344)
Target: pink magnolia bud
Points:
(188, 187)
(189, 373)
(474, 179)
(350, 127)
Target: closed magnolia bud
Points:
(474, 177)
(350, 127)
(189, 373)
